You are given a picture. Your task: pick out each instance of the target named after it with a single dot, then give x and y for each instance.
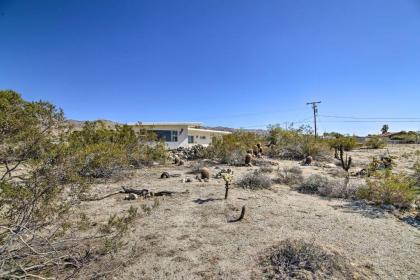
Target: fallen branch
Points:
(145, 193)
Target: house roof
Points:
(190, 124)
(208, 130)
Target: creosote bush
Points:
(255, 180)
(375, 142)
(347, 142)
(232, 148)
(43, 173)
(296, 144)
(101, 152)
(388, 188)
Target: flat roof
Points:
(209, 130)
(168, 123)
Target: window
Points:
(203, 137)
(167, 135)
(190, 139)
(174, 136)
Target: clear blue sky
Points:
(236, 63)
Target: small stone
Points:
(131, 196)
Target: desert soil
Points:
(188, 236)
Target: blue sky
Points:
(235, 63)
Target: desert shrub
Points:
(232, 148)
(255, 180)
(341, 188)
(393, 189)
(102, 160)
(266, 169)
(313, 183)
(375, 142)
(102, 152)
(298, 259)
(40, 187)
(416, 168)
(383, 164)
(290, 176)
(348, 143)
(296, 144)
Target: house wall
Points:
(182, 134)
(199, 133)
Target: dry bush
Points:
(266, 169)
(290, 176)
(196, 167)
(341, 188)
(312, 184)
(255, 180)
(297, 259)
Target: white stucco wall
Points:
(208, 134)
(183, 132)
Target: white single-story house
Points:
(181, 134)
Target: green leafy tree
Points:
(385, 129)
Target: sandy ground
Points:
(188, 236)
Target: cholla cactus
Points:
(345, 162)
(228, 178)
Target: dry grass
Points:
(298, 259)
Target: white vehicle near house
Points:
(181, 134)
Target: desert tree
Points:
(385, 129)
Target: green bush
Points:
(348, 143)
(101, 151)
(296, 144)
(394, 189)
(232, 148)
(375, 142)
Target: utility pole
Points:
(315, 108)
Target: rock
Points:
(308, 160)
(131, 196)
(164, 175)
(388, 207)
(188, 180)
(190, 153)
(181, 162)
(176, 159)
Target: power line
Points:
(370, 118)
(371, 121)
